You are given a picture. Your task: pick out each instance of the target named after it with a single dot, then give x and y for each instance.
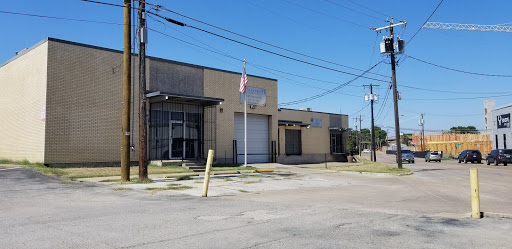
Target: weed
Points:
(242, 176)
(122, 189)
(243, 191)
(183, 178)
(171, 186)
(255, 176)
(66, 182)
(249, 182)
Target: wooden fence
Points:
(453, 144)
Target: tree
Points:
(352, 143)
(405, 139)
(464, 130)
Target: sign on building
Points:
(504, 121)
(316, 122)
(255, 96)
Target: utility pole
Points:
(372, 97)
(422, 134)
(143, 166)
(357, 135)
(360, 135)
(127, 72)
(395, 92)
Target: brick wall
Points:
(22, 105)
(84, 104)
(220, 84)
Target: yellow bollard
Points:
(207, 173)
(475, 194)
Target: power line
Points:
(59, 18)
(424, 23)
(444, 91)
(256, 40)
(360, 110)
(264, 50)
(322, 13)
(458, 70)
(485, 97)
(353, 10)
(330, 91)
(368, 8)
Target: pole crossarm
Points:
(469, 27)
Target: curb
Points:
(497, 215)
(220, 173)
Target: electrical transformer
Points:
(386, 46)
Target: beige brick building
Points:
(61, 104)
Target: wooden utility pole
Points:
(143, 156)
(360, 135)
(395, 92)
(372, 99)
(127, 72)
(422, 134)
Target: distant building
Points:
(61, 104)
(497, 124)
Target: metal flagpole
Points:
(245, 124)
(245, 129)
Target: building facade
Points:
(61, 104)
(497, 124)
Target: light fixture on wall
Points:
(252, 106)
(309, 126)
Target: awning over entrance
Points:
(292, 123)
(155, 97)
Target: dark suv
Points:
(470, 156)
(499, 156)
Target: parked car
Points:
(408, 156)
(499, 156)
(366, 151)
(470, 156)
(433, 156)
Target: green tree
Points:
(405, 139)
(464, 130)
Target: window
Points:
(336, 143)
(293, 142)
(504, 141)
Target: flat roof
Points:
(163, 96)
(120, 51)
(312, 111)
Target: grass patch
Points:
(369, 166)
(88, 172)
(243, 191)
(215, 168)
(249, 182)
(183, 178)
(227, 179)
(256, 176)
(198, 182)
(66, 182)
(242, 176)
(133, 180)
(122, 189)
(170, 186)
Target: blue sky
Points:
(326, 29)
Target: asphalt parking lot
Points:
(317, 209)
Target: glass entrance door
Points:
(184, 131)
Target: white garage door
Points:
(257, 138)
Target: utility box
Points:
(386, 46)
(400, 45)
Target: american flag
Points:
(243, 81)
